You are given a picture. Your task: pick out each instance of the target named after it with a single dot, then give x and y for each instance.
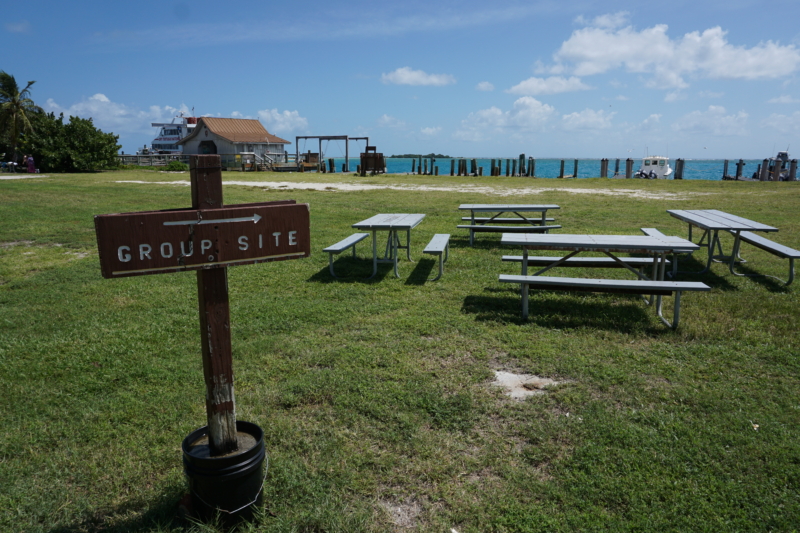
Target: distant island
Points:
(417, 156)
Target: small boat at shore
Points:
(654, 167)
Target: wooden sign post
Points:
(208, 238)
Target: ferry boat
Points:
(654, 167)
(169, 133)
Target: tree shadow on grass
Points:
(573, 310)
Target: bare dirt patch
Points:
(520, 386)
(15, 243)
(404, 515)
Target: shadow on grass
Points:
(457, 241)
(558, 310)
(350, 270)
(161, 515)
(423, 271)
(768, 281)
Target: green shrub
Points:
(176, 166)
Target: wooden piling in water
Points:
(561, 172)
(679, 169)
(604, 168)
(514, 167)
(413, 166)
(616, 168)
(725, 169)
(532, 168)
(764, 176)
(426, 168)
(521, 164)
(452, 167)
(739, 167)
(793, 170)
(628, 168)
(575, 172)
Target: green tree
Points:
(76, 146)
(16, 108)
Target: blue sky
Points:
(692, 79)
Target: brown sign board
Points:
(156, 242)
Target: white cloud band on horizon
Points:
(408, 76)
(712, 121)
(526, 116)
(283, 121)
(117, 118)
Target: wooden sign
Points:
(207, 238)
(155, 242)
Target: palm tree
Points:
(15, 109)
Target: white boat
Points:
(654, 167)
(779, 164)
(169, 133)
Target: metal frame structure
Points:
(321, 138)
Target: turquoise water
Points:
(693, 169)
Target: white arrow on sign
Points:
(255, 218)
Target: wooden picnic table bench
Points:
(779, 250)
(439, 245)
(341, 246)
(486, 223)
(637, 286)
(712, 221)
(611, 245)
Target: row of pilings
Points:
(522, 167)
(768, 170)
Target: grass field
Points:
(375, 396)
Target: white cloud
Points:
(712, 121)
(387, 121)
(407, 76)
(526, 115)
(117, 118)
(430, 131)
(236, 114)
(601, 48)
(782, 123)
(785, 99)
(622, 98)
(484, 86)
(18, 27)
(282, 121)
(588, 119)
(674, 96)
(552, 85)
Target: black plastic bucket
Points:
(231, 485)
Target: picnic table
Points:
(487, 223)
(712, 221)
(610, 245)
(393, 223)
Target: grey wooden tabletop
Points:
(712, 219)
(391, 221)
(612, 243)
